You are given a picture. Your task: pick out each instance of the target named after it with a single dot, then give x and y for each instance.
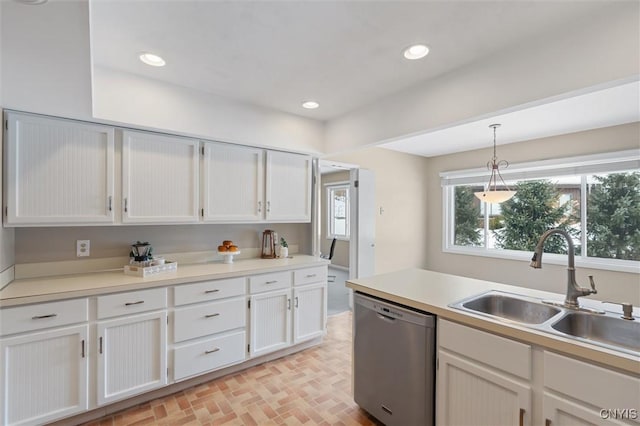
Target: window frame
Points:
(577, 166)
(329, 188)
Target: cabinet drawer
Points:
(210, 318)
(595, 385)
(266, 282)
(209, 290)
(196, 358)
(131, 302)
(42, 315)
(505, 354)
(310, 275)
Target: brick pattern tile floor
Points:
(312, 387)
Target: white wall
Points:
(606, 49)
(400, 190)
(127, 98)
(616, 286)
(46, 59)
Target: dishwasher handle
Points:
(385, 318)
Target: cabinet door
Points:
(270, 321)
(159, 178)
(233, 183)
(58, 171)
(471, 394)
(132, 356)
(310, 311)
(288, 187)
(44, 376)
(561, 412)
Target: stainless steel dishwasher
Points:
(394, 362)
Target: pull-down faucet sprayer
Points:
(573, 289)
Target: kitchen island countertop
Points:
(433, 291)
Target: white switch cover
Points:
(83, 248)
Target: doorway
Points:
(346, 221)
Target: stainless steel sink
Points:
(603, 329)
(510, 307)
(609, 330)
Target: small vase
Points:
(284, 252)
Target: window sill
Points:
(628, 266)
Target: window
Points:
(596, 199)
(338, 211)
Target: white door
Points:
(132, 356)
(270, 315)
(58, 171)
(288, 187)
(471, 394)
(561, 412)
(310, 311)
(160, 178)
(233, 183)
(44, 376)
(362, 255)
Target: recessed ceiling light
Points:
(416, 51)
(153, 60)
(310, 105)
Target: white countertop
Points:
(45, 289)
(433, 292)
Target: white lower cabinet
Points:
(205, 355)
(44, 375)
(270, 321)
(132, 355)
(485, 379)
(578, 393)
(310, 311)
(288, 315)
(473, 386)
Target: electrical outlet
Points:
(83, 248)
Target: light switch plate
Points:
(83, 248)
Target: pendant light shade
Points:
(491, 193)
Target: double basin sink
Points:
(607, 330)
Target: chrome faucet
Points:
(573, 289)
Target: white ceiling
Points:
(346, 54)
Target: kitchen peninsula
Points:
(539, 377)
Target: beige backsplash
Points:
(111, 244)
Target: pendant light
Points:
(491, 194)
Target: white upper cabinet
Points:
(160, 177)
(233, 183)
(58, 171)
(288, 187)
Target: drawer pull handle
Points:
(100, 345)
(296, 301)
(271, 282)
(44, 316)
(522, 417)
(211, 315)
(211, 291)
(212, 351)
(139, 302)
(311, 275)
(82, 345)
